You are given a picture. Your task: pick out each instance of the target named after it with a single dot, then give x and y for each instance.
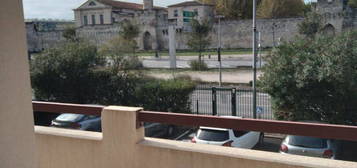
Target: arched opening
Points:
(329, 30)
(147, 41)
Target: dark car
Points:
(93, 123)
(78, 121)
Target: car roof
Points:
(213, 128)
(234, 117)
(221, 129)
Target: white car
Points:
(228, 137)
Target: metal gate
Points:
(230, 101)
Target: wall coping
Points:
(69, 133)
(247, 154)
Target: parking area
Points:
(272, 143)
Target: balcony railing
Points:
(329, 131)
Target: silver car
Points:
(310, 146)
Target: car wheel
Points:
(261, 139)
(170, 130)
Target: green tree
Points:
(352, 3)
(199, 38)
(122, 49)
(120, 52)
(314, 79)
(280, 8)
(129, 32)
(311, 25)
(70, 34)
(65, 74)
(233, 9)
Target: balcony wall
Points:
(123, 145)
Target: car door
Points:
(245, 139)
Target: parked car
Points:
(78, 121)
(228, 137)
(158, 130)
(310, 146)
(93, 123)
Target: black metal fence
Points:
(230, 101)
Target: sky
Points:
(62, 9)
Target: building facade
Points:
(99, 21)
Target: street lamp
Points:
(219, 17)
(254, 60)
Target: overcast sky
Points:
(62, 9)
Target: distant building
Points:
(104, 12)
(182, 13)
(99, 21)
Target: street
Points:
(228, 61)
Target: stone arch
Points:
(329, 29)
(147, 40)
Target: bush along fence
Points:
(230, 101)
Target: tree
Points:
(352, 3)
(233, 9)
(129, 31)
(122, 49)
(314, 79)
(280, 8)
(65, 74)
(311, 25)
(70, 34)
(122, 54)
(199, 38)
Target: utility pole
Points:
(219, 48)
(254, 60)
(260, 48)
(172, 46)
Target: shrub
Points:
(314, 79)
(165, 95)
(65, 73)
(198, 65)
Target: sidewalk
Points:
(238, 76)
(245, 57)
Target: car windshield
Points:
(307, 142)
(70, 117)
(213, 135)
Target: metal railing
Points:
(341, 132)
(230, 101)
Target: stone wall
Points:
(234, 34)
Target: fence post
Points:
(234, 102)
(214, 101)
(197, 106)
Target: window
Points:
(101, 19)
(175, 13)
(93, 19)
(195, 11)
(239, 133)
(308, 142)
(85, 20)
(91, 4)
(213, 135)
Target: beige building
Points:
(181, 13)
(105, 12)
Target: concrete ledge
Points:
(70, 133)
(122, 108)
(260, 156)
